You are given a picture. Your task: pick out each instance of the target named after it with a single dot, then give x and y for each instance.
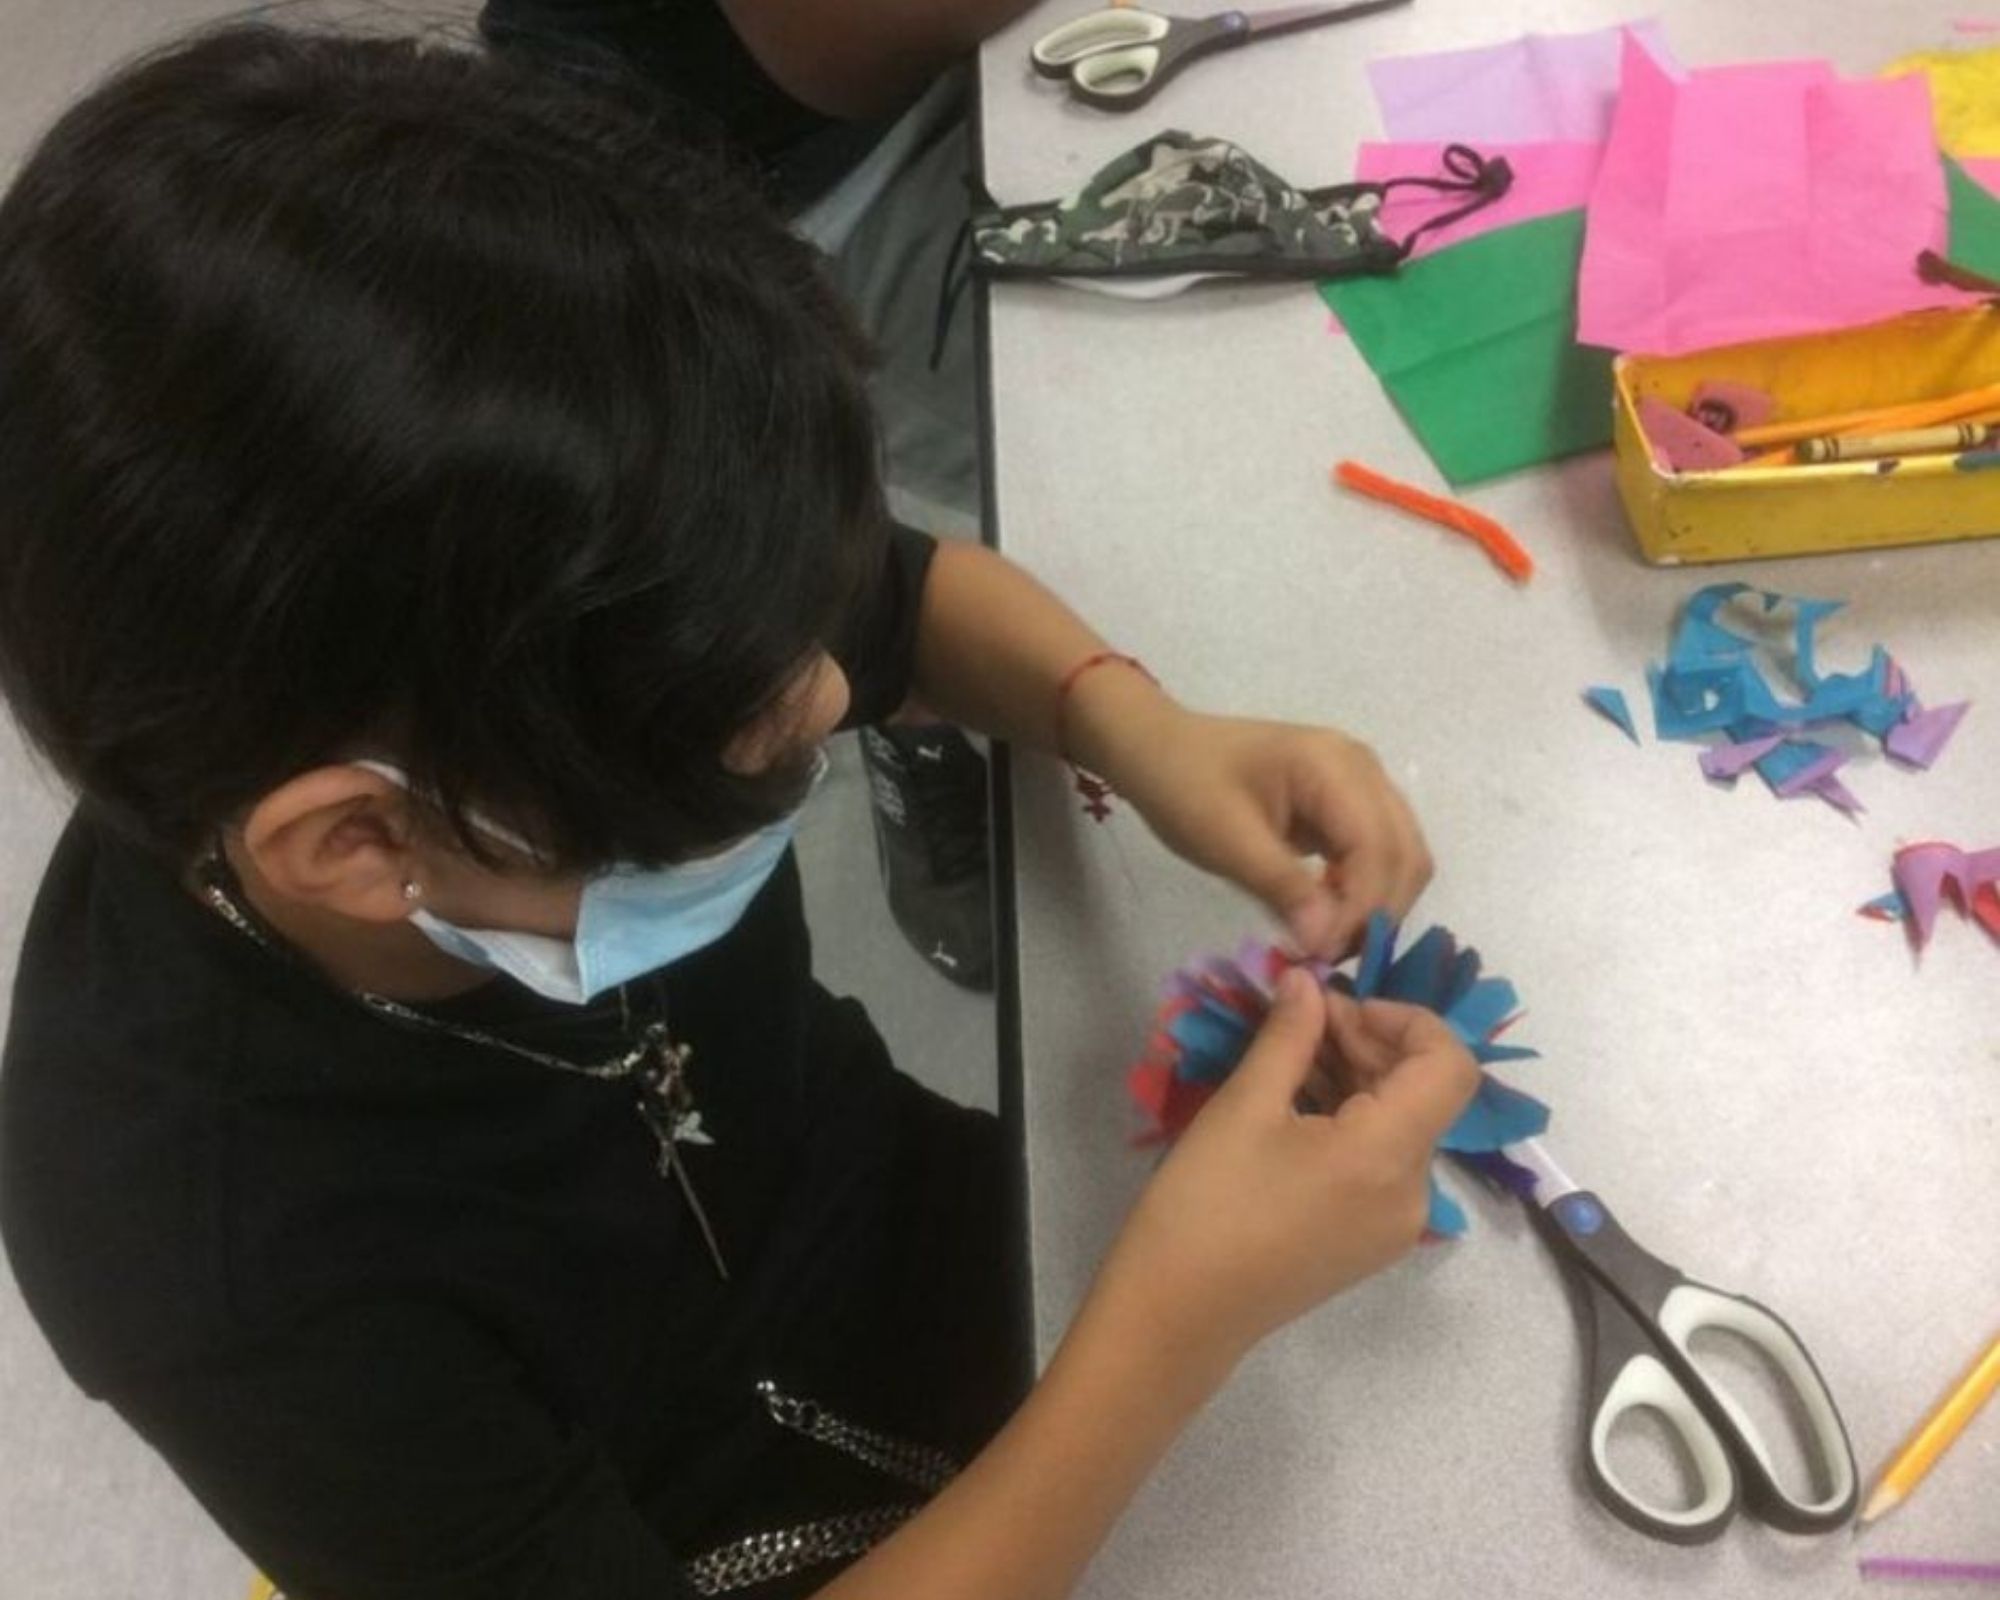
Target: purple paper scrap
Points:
(1733, 760)
(1920, 739)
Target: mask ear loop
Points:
(951, 288)
(1934, 268)
(1486, 180)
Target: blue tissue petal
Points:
(1491, 1002)
(1376, 949)
(1211, 1044)
(1611, 703)
(1447, 1216)
(1891, 906)
(1419, 973)
(1694, 702)
(1497, 1115)
(1789, 759)
(1488, 1053)
(1464, 974)
(1705, 602)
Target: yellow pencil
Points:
(1910, 414)
(1934, 1437)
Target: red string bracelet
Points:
(1096, 792)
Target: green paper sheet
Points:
(1975, 222)
(1476, 345)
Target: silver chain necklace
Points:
(655, 1065)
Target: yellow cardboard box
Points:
(1781, 511)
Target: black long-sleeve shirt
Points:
(418, 1319)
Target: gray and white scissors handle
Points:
(1118, 58)
(1644, 1318)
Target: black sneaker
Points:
(928, 789)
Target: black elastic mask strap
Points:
(1486, 180)
(951, 287)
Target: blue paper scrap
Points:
(1890, 907)
(1610, 703)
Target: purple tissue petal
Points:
(1812, 774)
(1921, 872)
(1733, 760)
(1921, 739)
(1838, 795)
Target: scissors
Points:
(1642, 1316)
(1117, 58)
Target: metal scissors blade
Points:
(1643, 1317)
(1294, 19)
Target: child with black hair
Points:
(439, 527)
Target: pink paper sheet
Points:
(1548, 177)
(1540, 86)
(1758, 200)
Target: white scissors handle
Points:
(1117, 72)
(1693, 1308)
(1115, 29)
(1645, 1384)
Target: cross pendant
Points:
(667, 1105)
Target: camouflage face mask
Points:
(1185, 206)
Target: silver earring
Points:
(412, 890)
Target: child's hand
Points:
(1244, 799)
(1260, 1211)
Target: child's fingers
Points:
(1423, 1093)
(1407, 1060)
(1366, 1054)
(1281, 1059)
(1325, 1087)
(1413, 856)
(1377, 858)
(1405, 1029)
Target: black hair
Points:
(366, 393)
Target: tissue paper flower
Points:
(1214, 1007)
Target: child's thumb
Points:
(1281, 1057)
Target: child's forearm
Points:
(1027, 1514)
(994, 648)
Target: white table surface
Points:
(1765, 1087)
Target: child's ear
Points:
(812, 706)
(337, 838)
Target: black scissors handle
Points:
(1624, 1372)
(1642, 1316)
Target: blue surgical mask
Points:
(630, 920)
